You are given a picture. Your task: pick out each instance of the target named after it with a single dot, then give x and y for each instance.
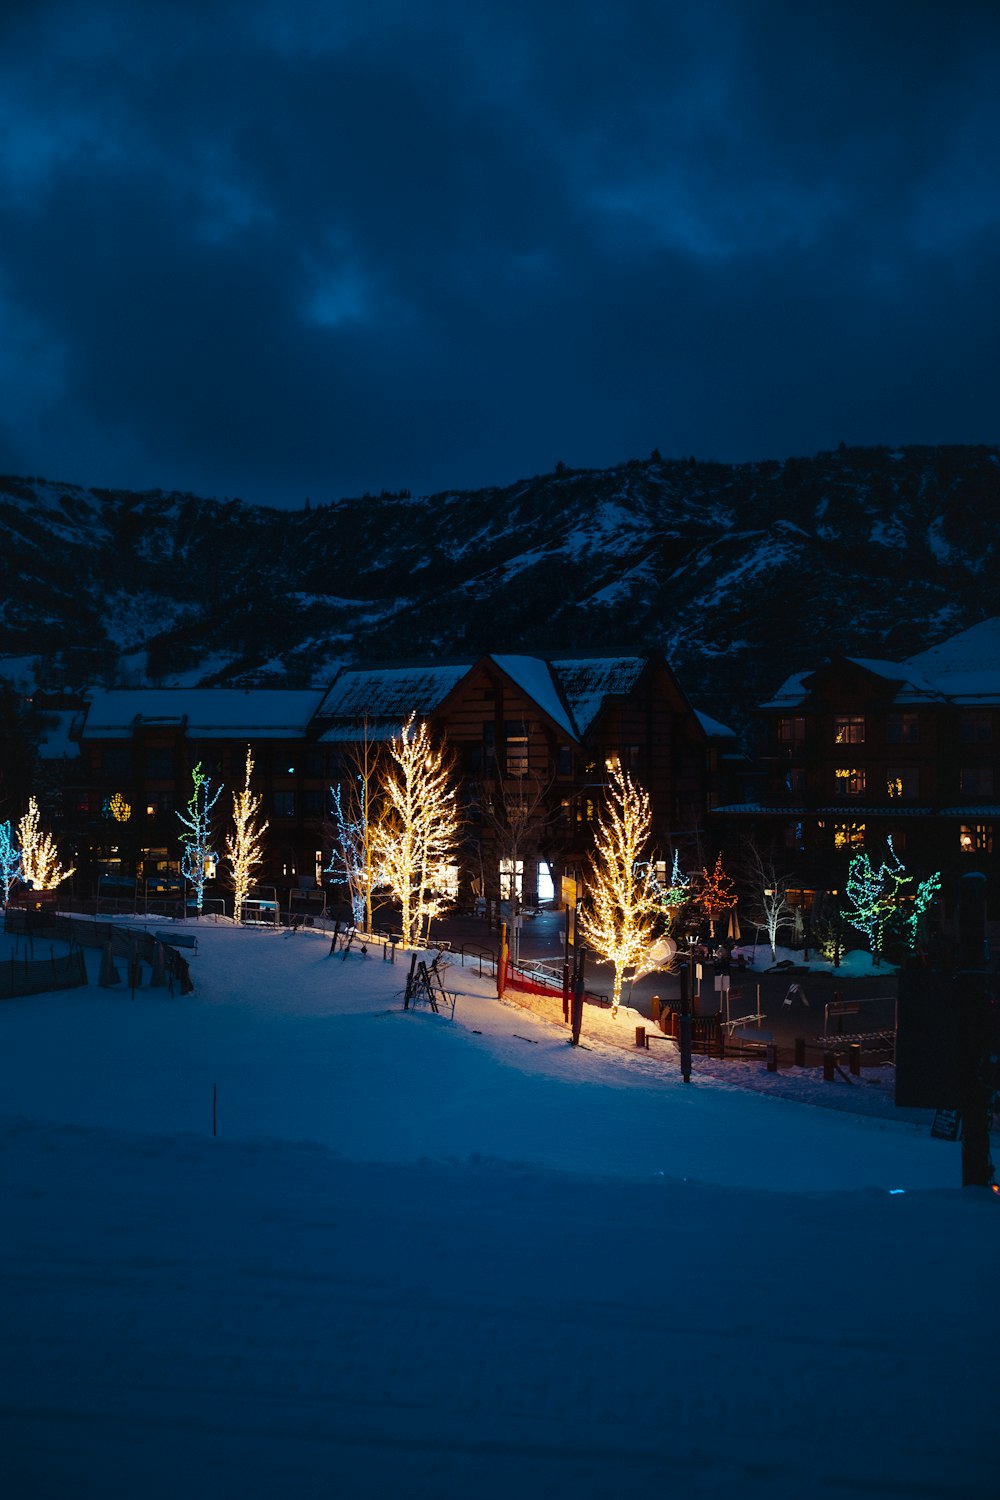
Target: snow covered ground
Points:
(426, 1256)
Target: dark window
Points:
(976, 781)
(902, 729)
(790, 731)
(975, 727)
(284, 804)
(159, 763)
(795, 781)
(794, 836)
(564, 760)
(314, 761)
(116, 760)
(313, 803)
(159, 804)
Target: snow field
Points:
(422, 1261)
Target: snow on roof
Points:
(54, 740)
(587, 681)
(208, 713)
(713, 728)
(912, 684)
(972, 651)
(791, 693)
(384, 697)
(534, 676)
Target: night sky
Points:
(275, 249)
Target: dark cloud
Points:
(273, 249)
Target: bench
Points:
(177, 939)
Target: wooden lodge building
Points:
(859, 750)
(530, 736)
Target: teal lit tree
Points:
(877, 898)
(10, 863)
(925, 893)
(199, 859)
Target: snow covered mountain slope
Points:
(740, 573)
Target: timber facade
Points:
(532, 740)
(860, 751)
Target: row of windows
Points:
(902, 783)
(975, 727)
(973, 838)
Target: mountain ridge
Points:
(739, 573)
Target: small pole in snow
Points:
(215, 1093)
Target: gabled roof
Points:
(912, 686)
(791, 693)
(208, 713)
(973, 650)
(384, 698)
(534, 677)
(967, 666)
(587, 681)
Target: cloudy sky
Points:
(273, 248)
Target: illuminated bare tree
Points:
(716, 894)
(416, 835)
(766, 899)
(199, 857)
(244, 846)
(623, 911)
(10, 863)
(40, 866)
(354, 857)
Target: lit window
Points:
(511, 878)
(848, 835)
(849, 729)
(849, 781)
(903, 783)
(976, 838)
(517, 750)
